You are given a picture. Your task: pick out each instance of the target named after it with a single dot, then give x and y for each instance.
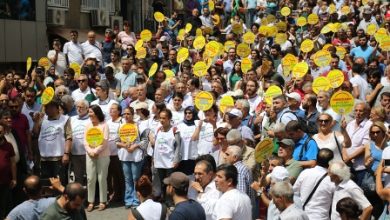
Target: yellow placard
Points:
(263, 150)
(45, 62)
(229, 44)
(380, 34)
(288, 62)
(188, 28)
(139, 44)
(271, 92)
(237, 28)
(47, 95)
(212, 48)
(365, 2)
(169, 74)
(272, 31)
(181, 34)
(28, 63)
(342, 102)
(327, 28)
(320, 84)
(263, 30)
(200, 69)
(243, 50)
(285, 11)
(204, 100)
(141, 53)
(307, 45)
(326, 46)
(199, 42)
(146, 35)
(153, 69)
(128, 133)
(385, 43)
(336, 78)
(300, 69)
(312, 19)
(332, 8)
(249, 37)
(271, 18)
(246, 64)
(281, 26)
(198, 32)
(371, 29)
(182, 54)
(301, 21)
(341, 51)
(345, 10)
(280, 38)
(159, 17)
(226, 102)
(94, 137)
(322, 58)
(216, 19)
(77, 69)
(336, 27)
(211, 5)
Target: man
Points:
(172, 58)
(177, 187)
(286, 149)
(73, 50)
(233, 204)
(283, 113)
(228, 65)
(247, 119)
(251, 94)
(114, 84)
(115, 61)
(309, 103)
(360, 85)
(127, 77)
(364, 50)
(207, 21)
(234, 137)
(294, 104)
(306, 148)
(156, 81)
(33, 208)
(204, 185)
(78, 124)
(92, 48)
(57, 58)
(340, 175)
(367, 19)
(283, 197)
(68, 205)
(141, 91)
(358, 131)
(316, 201)
(103, 101)
(54, 140)
(234, 120)
(233, 156)
(84, 90)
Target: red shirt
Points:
(6, 153)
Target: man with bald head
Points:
(35, 206)
(91, 47)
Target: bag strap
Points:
(338, 145)
(313, 191)
(164, 210)
(136, 214)
(303, 149)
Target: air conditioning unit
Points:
(56, 17)
(100, 18)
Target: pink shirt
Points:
(102, 150)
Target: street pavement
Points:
(115, 211)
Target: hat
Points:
(141, 105)
(238, 93)
(190, 38)
(178, 180)
(219, 62)
(108, 30)
(163, 38)
(367, 10)
(287, 142)
(279, 174)
(294, 95)
(103, 84)
(92, 56)
(235, 113)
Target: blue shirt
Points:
(126, 80)
(31, 209)
(358, 52)
(376, 154)
(188, 210)
(309, 153)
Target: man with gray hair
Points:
(104, 101)
(68, 105)
(247, 119)
(283, 197)
(234, 137)
(340, 175)
(284, 115)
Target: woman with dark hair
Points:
(236, 75)
(126, 37)
(221, 144)
(177, 108)
(348, 209)
(154, 122)
(131, 154)
(98, 158)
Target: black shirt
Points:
(188, 210)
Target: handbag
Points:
(368, 183)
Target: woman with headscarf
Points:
(189, 150)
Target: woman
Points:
(177, 108)
(189, 150)
(335, 141)
(98, 159)
(348, 209)
(385, 80)
(131, 154)
(372, 158)
(378, 113)
(126, 37)
(221, 144)
(144, 190)
(167, 148)
(154, 122)
(236, 75)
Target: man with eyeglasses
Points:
(83, 90)
(73, 50)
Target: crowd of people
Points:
(283, 148)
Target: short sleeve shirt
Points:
(189, 210)
(308, 153)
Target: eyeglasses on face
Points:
(321, 121)
(81, 80)
(375, 132)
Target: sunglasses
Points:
(126, 114)
(375, 132)
(81, 80)
(326, 121)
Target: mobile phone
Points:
(387, 162)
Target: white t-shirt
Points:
(80, 95)
(205, 143)
(74, 52)
(362, 85)
(164, 149)
(145, 209)
(78, 128)
(113, 127)
(189, 149)
(253, 103)
(233, 204)
(26, 111)
(105, 106)
(60, 66)
(331, 144)
(94, 50)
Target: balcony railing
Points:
(88, 5)
(58, 3)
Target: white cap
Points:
(141, 105)
(294, 95)
(279, 174)
(235, 112)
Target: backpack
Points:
(138, 215)
(304, 148)
(308, 127)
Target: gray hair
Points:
(67, 100)
(234, 135)
(283, 190)
(327, 94)
(166, 85)
(84, 102)
(244, 103)
(279, 127)
(340, 169)
(235, 151)
(62, 87)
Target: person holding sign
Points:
(98, 157)
(131, 153)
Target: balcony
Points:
(88, 5)
(58, 3)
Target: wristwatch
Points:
(259, 192)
